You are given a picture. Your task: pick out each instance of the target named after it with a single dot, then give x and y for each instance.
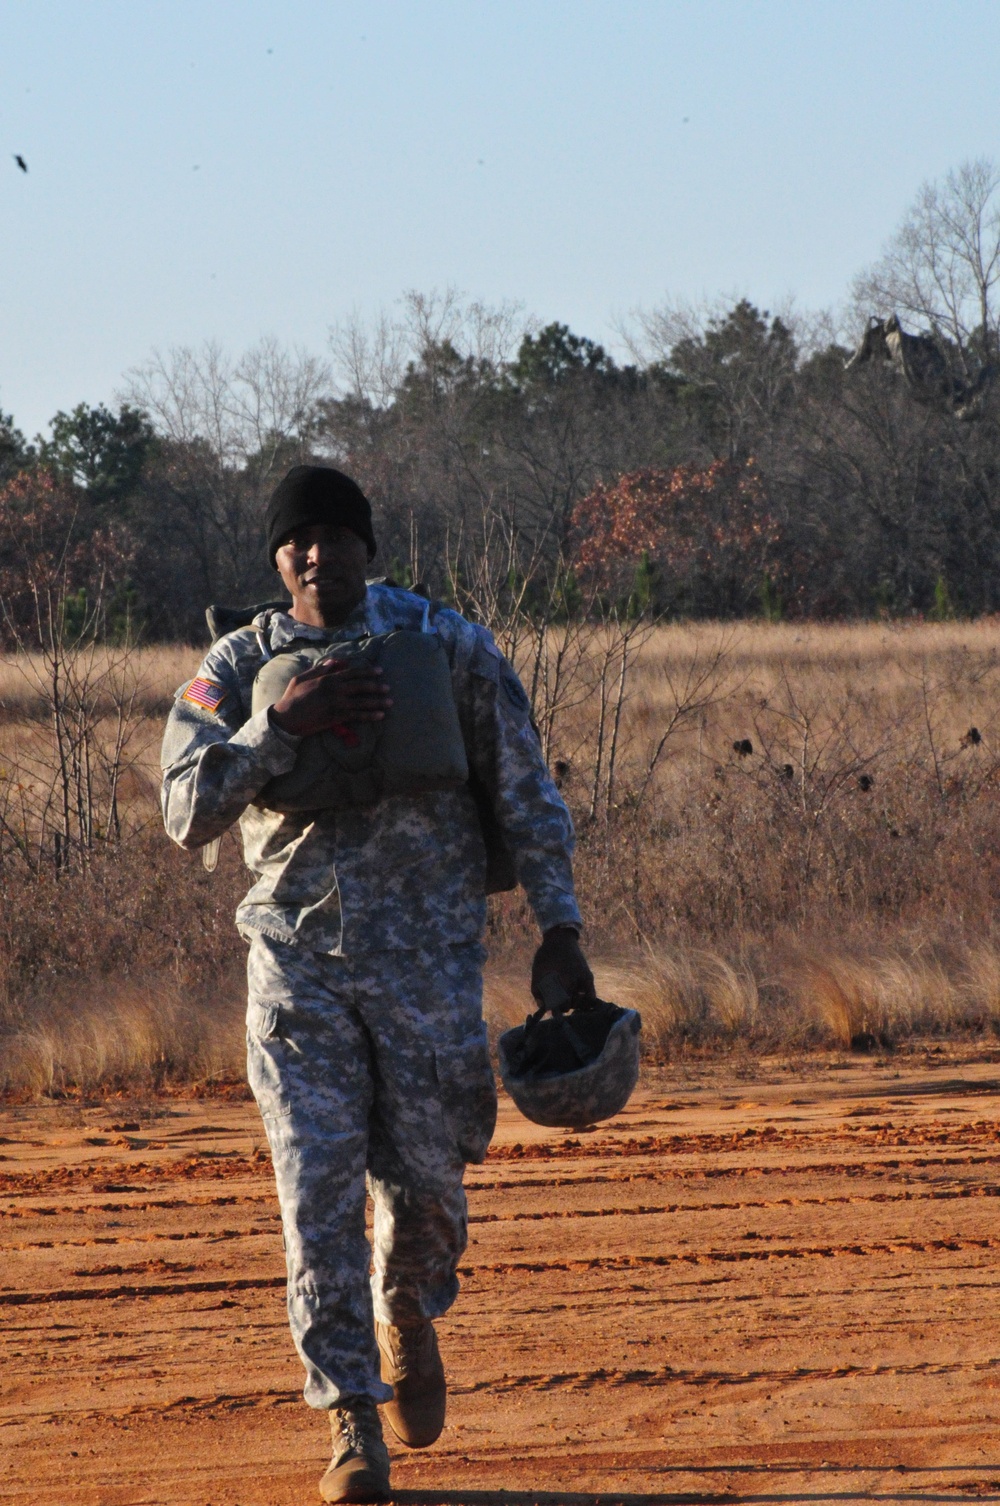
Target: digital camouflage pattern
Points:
(376, 1063)
(366, 1046)
(408, 872)
(557, 1091)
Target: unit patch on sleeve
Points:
(204, 694)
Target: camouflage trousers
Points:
(368, 1070)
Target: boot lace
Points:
(358, 1429)
(409, 1347)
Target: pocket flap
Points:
(262, 1020)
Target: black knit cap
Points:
(317, 494)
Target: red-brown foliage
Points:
(48, 551)
(711, 533)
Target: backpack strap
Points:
(223, 620)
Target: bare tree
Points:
(941, 267)
(60, 794)
(503, 581)
(243, 408)
(370, 357)
(229, 427)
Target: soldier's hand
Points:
(332, 694)
(560, 976)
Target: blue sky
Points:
(228, 170)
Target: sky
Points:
(224, 171)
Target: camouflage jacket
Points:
(408, 872)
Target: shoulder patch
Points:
(514, 690)
(205, 693)
(485, 660)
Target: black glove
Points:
(560, 977)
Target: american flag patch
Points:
(203, 693)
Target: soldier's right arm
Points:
(215, 758)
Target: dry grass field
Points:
(796, 847)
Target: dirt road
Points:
(777, 1289)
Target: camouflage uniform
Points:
(366, 1044)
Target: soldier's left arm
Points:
(506, 754)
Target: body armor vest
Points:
(417, 748)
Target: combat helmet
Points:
(575, 1067)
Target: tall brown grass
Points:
(160, 670)
(832, 885)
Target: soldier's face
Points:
(323, 568)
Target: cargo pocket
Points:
(468, 1094)
(265, 1059)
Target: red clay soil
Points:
(777, 1288)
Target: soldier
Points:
(366, 1047)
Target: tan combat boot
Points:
(359, 1469)
(412, 1365)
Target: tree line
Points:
(730, 466)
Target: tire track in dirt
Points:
(665, 1375)
(149, 1289)
(145, 1205)
(228, 1165)
(566, 1380)
(851, 1169)
(981, 1130)
(933, 1195)
(654, 1299)
(35, 1182)
(210, 1236)
(533, 1267)
(223, 1400)
(609, 1298)
(732, 1257)
(642, 1210)
(127, 1176)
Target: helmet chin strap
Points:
(554, 998)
